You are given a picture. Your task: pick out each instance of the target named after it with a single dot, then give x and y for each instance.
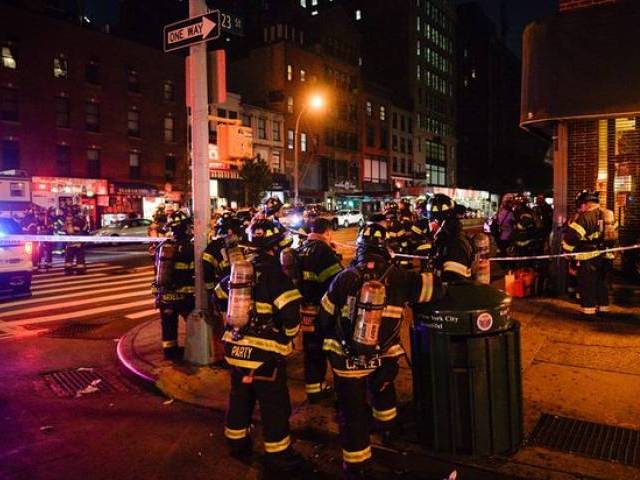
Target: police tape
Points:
(78, 239)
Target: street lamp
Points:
(314, 102)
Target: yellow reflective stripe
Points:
(567, 247)
(587, 255)
(456, 267)
(344, 311)
(169, 343)
(424, 246)
(353, 373)
(220, 293)
(579, 229)
(264, 308)
(186, 289)
(329, 272)
(313, 388)
(210, 285)
(594, 236)
(275, 447)
(589, 310)
(415, 229)
(392, 312)
(224, 263)
(385, 415)
(232, 434)
(250, 364)
(523, 243)
(394, 351)
(286, 298)
(184, 266)
(261, 343)
(426, 291)
(328, 305)
(331, 345)
(207, 257)
(310, 276)
(357, 457)
(292, 332)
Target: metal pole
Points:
(296, 180)
(198, 345)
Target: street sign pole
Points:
(198, 346)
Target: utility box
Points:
(467, 381)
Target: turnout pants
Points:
(593, 285)
(45, 251)
(74, 251)
(315, 362)
(169, 314)
(268, 386)
(355, 412)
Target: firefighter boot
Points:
(287, 461)
(173, 353)
(241, 449)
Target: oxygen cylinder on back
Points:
(481, 269)
(371, 303)
(166, 265)
(234, 254)
(240, 294)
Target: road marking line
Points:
(88, 279)
(58, 276)
(83, 313)
(142, 314)
(88, 285)
(43, 272)
(64, 277)
(142, 283)
(75, 303)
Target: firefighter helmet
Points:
(439, 207)
(372, 235)
(272, 206)
(264, 234)
(179, 224)
(228, 223)
(587, 196)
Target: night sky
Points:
(519, 14)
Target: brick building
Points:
(583, 96)
(80, 104)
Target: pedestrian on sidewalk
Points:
(262, 317)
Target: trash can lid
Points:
(470, 296)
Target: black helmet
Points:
(179, 224)
(372, 235)
(439, 207)
(272, 206)
(228, 222)
(264, 234)
(390, 209)
(587, 196)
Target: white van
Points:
(15, 262)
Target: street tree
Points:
(257, 179)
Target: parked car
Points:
(346, 218)
(136, 227)
(16, 262)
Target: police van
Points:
(15, 261)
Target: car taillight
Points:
(28, 248)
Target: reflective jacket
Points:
(276, 317)
(183, 281)
(590, 231)
(215, 262)
(452, 251)
(319, 264)
(336, 319)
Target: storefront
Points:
(128, 200)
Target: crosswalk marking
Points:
(142, 314)
(80, 314)
(95, 281)
(142, 284)
(59, 267)
(65, 278)
(58, 276)
(74, 303)
(87, 286)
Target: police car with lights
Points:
(15, 261)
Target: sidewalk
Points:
(582, 370)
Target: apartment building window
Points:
(303, 142)
(409, 146)
(409, 167)
(92, 116)
(394, 143)
(93, 163)
(418, 49)
(133, 80)
(10, 154)
(303, 3)
(395, 164)
(402, 146)
(169, 91)
(60, 66)
(358, 14)
(63, 160)
(403, 165)
(418, 72)
(375, 170)
(222, 113)
(394, 120)
(418, 23)
(303, 76)
(9, 105)
(402, 123)
(246, 120)
(233, 115)
(290, 139)
(9, 56)
(170, 167)
(262, 128)
(410, 124)
(369, 109)
(134, 164)
(133, 122)
(62, 112)
(290, 104)
(169, 129)
(371, 134)
(436, 174)
(384, 138)
(276, 161)
(92, 72)
(289, 72)
(435, 151)
(383, 113)
(276, 131)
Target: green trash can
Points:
(467, 382)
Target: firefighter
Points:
(360, 321)
(262, 318)
(452, 251)
(319, 264)
(75, 224)
(593, 229)
(45, 249)
(404, 210)
(525, 234)
(223, 250)
(420, 237)
(174, 284)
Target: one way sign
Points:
(194, 30)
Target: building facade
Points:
(82, 109)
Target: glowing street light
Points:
(315, 102)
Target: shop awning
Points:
(581, 64)
(132, 189)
